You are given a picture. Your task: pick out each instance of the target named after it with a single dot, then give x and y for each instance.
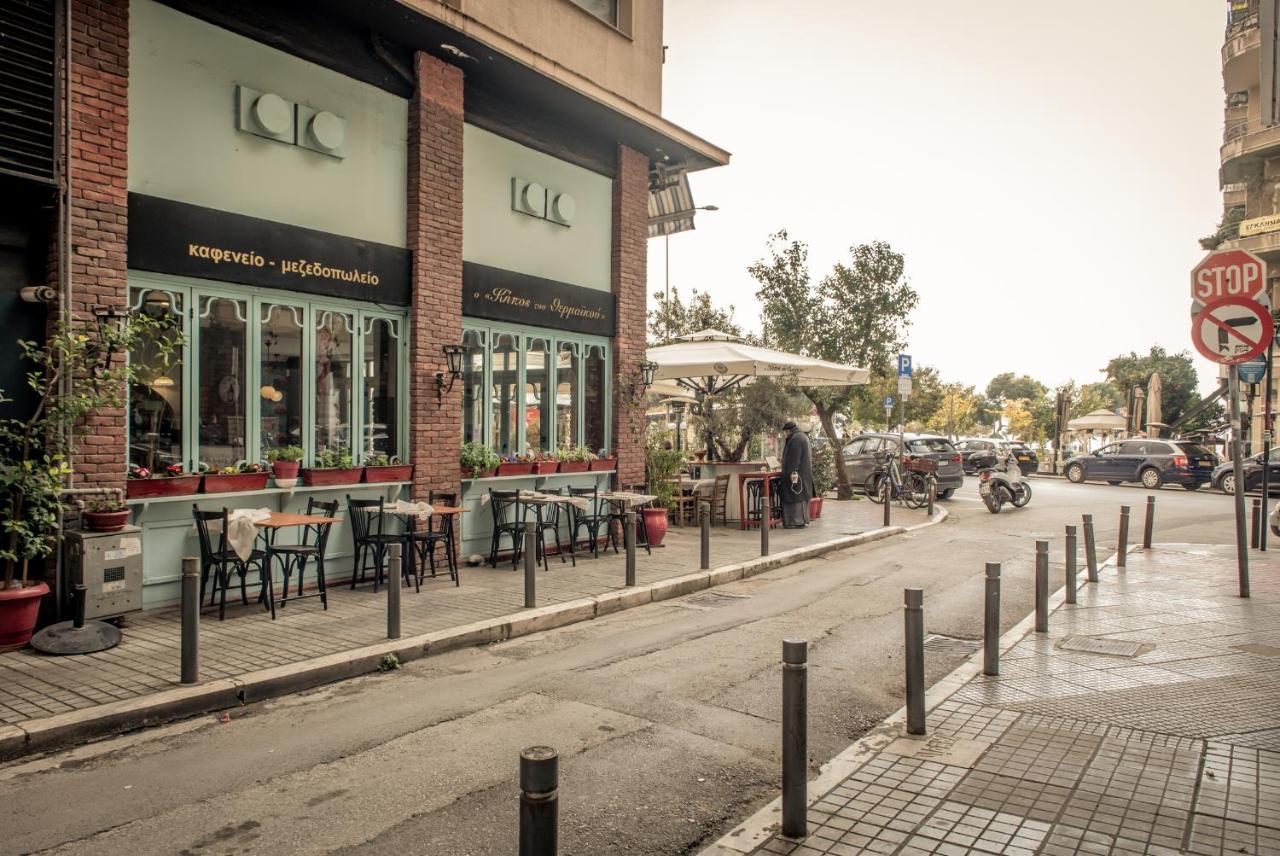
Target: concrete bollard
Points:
(1255, 533)
(795, 737)
(913, 614)
(991, 622)
(704, 521)
(1071, 564)
(395, 576)
(1122, 547)
(539, 801)
(629, 543)
(190, 620)
(1042, 586)
(1090, 548)
(1149, 525)
(530, 564)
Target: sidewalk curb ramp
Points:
(78, 726)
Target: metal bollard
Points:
(1071, 564)
(913, 613)
(704, 521)
(1255, 533)
(991, 622)
(795, 737)
(539, 801)
(629, 542)
(395, 575)
(886, 488)
(190, 620)
(1042, 586)
(530, 564)
(764, 530)
(933, 491)
(1090, 548)
(1149, 526)
(1122, 547)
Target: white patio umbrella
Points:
(1098, 420)
(711, 361)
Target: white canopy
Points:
(1098, 420)
(711, 361)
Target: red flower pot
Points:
(389, 473)
(106, 521)
(815, 508)
(328, 478)
(228, 482)
(574, 466)
(479, 474)
(515, 469)
(542, 468)
(604, 464)
(285, 469)
(655, 524)
(161, 486)
(19, 608)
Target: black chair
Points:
(508, 520)
(618, 513)
(220, 560)
(775, 498)
(314, 540)
(547, 519)
(368, 522)
(424, 542)
(591, 519)
(755, 501)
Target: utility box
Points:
(109, 565)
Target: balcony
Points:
(1265, 244)
(1240, 69)
(1243, 141)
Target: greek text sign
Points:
(503, 295)
(174, 237)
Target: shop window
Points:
(504, 431)
(222, 372)
(334, 332)
(567, 418)
(593, 399)
(381, 379)
(473, 352)
(537, 398)
(281, 377)
(155, 395)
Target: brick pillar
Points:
(627, 277)
(99, 117)
(435, 239)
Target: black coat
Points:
(796, 458)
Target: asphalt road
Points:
(666, 717)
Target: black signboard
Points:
(503, 295)
(174, 237)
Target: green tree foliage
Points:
(1177, 377)
(673, 317)
(1010, 387)
(957, 411)
(1102, 395)
(925, 398)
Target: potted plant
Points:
(332, 467)
(575, 459)
(246, 476)
(824, 478)
(545, 464)
(381, 468)
(478, 461)
(105, 515)
(173, 481)
(516, 465)
(285, 461)
(661, 467)
(603, 462)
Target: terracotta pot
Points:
(162, 486)
(480, 474)
(574, 466)
(327, 478)
(542, 468)
(515, 469)
(655, 522)
(228, 482)
(815, 508)
(285, 469)
(106, 521)
(19, 608)
(604, 464)
(389, 473)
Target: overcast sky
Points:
(1046, 164)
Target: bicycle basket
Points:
(920, 465)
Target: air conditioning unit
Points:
(109, 565)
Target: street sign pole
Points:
(1237, 467)
(1266, 445)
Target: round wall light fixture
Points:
(272, 113)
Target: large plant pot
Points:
(815, 508)
(162, 486)
(478, 474)
(285, 470)
(515, 469)
(604, 464)
(543, 468)
(228, 482)
(329, 478)
(19, 608)
(655, 524)
(574, 466)
(389, 473)
(106, 521)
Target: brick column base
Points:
(628, 280)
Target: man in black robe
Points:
(797, 478)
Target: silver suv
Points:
(865, 452)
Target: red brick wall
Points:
(630, 239)
(99, 200)
(435, 239)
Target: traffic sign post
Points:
(1237, 469)
(904, 365)
(1266, 449)
(1228, 273)
(888, 412)
(1232, 330)
(1252, 371)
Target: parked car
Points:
(865, 452)
(1149, 462)
(979, 453)
(1224, 477)
(1028, 460)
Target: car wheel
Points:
(1151, 478)
(1228, 484)
(1194, 485)
(946, 494)
(1075, 473)
(1112, 483)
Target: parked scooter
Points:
(998, 485)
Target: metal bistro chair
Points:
(720, 499)
(508, 520)
(368, 520)
(618, 514)
(591, 520)
(314, 540)
(220, 560)
(425, 541)
(547, 519)
(775, 499)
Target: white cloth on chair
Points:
(242, 529)
(420, 510)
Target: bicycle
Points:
(911, 489)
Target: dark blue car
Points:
(1152, 463)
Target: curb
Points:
(56, 732)
(765, 823)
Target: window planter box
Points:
(327, 478)
(106, 521)
(480, 474)
(162, 486)
(604, 464)
(389, 473)
(515, 469)
(542, 468)
(228, 482)
(574, 466)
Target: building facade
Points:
(324, 199)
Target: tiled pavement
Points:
(1174, 750)
(34, 686)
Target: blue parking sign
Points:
(888, 402)
(904, 365)
(1254, 370)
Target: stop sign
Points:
(1228, 273)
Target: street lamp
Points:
(677, 408)
(666, 245)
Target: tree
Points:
(673, 318)
(925, 398)
(857, 314)
(1010, 387)
(1178, 379)
(957, 411)
(1102, 395)
(1019, 420)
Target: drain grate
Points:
(715, 600)
(936, 643)
(1110, 647)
